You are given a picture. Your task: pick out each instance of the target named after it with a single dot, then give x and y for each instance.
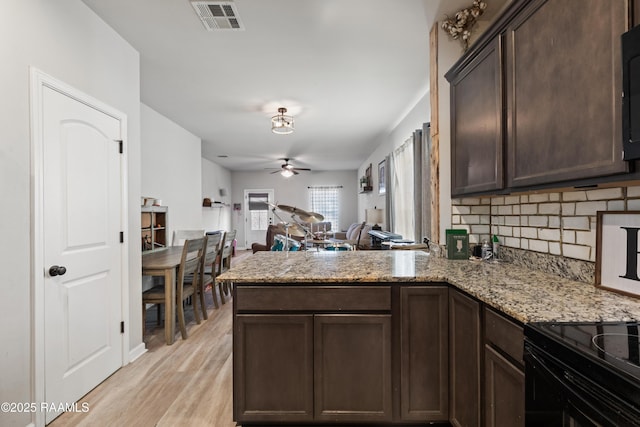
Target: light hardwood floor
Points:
(185, 384)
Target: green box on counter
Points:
(457, 244)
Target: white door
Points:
(82, 224)
(258, 215)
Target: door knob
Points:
(57, 270)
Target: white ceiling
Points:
(348, 70)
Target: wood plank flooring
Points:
(187, 383)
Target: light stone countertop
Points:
(526, 295)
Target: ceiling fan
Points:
(287, 169)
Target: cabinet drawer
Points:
(504, 334)
(313, 298)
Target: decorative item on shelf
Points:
(462, 24)
(206, 202)
(281, 123)
(457, 244)
(365, 181)
(375, 216)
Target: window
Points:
(325, 200)
(258, 211)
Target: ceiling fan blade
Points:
(294, 172)
(302, 169)
(276, 171)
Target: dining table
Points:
(165, 263)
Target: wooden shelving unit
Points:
(153, 228)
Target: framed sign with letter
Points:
(618, 252)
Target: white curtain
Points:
(402, 214)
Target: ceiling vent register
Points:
(218, 15)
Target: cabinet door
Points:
(424, 350)
(273, 368)
(352, 357)
(563, 70)
(476, 121)
(464, 372)
(504, 391)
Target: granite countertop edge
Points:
(523, 294)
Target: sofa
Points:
(357, 235)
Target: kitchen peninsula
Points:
(394, 337)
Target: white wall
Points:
(66, 40)
(215, 178)
(293, 192)
(171, 169)
(413, 120)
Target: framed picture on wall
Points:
(617, 248)
(382, 188)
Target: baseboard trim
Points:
(137, 352)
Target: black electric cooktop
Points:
(606, 353)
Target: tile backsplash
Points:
(556, 223)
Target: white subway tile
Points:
(480, 229)
(481, 210)
(554, 248)
(576, 222)
(554, 222)
(539, 246)
(485, 219)
(538, 198)
(538, 221)
(505, 231)
(604, 194)
(461, 210)
(524, 198)
(524, 220)
(587, 238)
(529, 209)
(633, 191)
(470, 219)
(512, 200)
(615, 205)
(516, 209)
(590, 208)
(574, 196)
(529, 232)
(633, 205)
(505, 210)
(455, 219)
(577, 252)
(512, 242)
(549, 208)
(470, 201)
(524, 244)
(485, 201)
(512, 220)
(568, 209)
(549, 234)
(568, 236)
(554, 197)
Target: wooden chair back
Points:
(179, 236)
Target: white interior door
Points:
(258, 215)
(82, 212)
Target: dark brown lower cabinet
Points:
(273, 380)
(352, 368)
(504, 391)
(464, 360)
(424, 360)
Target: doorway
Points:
(258, 215)
(79, 255)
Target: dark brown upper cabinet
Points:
(476, 116)
(536, 101)
(563, 63)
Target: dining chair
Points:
(179, 236)
(224, 261)
(206, 271)
(190, 262)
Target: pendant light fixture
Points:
(281, 123)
